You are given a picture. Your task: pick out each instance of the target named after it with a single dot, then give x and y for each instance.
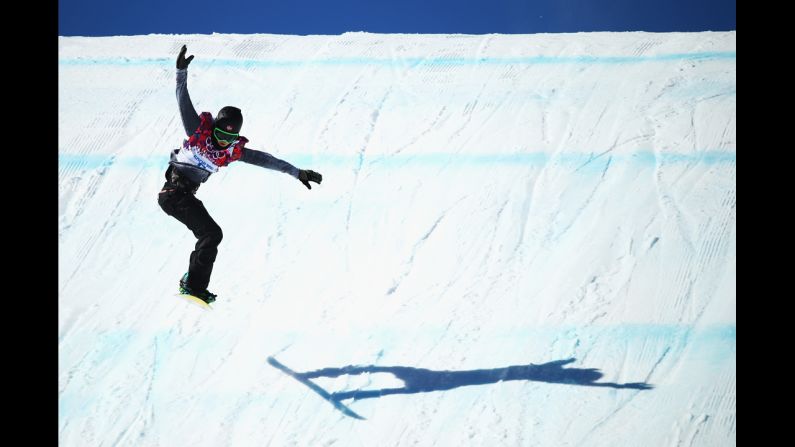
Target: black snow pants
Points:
(180, 203)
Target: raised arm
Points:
(190, 119)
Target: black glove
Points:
(181, 61)
(307, 176)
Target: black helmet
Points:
(229, 119)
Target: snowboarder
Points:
(212, 143)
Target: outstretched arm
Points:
(190, 119)
(268, 161)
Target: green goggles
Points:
(227, 137)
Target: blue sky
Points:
(109, 18)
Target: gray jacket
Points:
(195, 172)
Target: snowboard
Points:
(195, 301)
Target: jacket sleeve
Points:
(190, 119)
(267, 161)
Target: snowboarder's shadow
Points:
(419, 380)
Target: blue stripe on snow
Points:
(406, 62)
(539, 159)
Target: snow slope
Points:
(522, 240)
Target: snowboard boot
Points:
(204, 295)
(183, 282)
